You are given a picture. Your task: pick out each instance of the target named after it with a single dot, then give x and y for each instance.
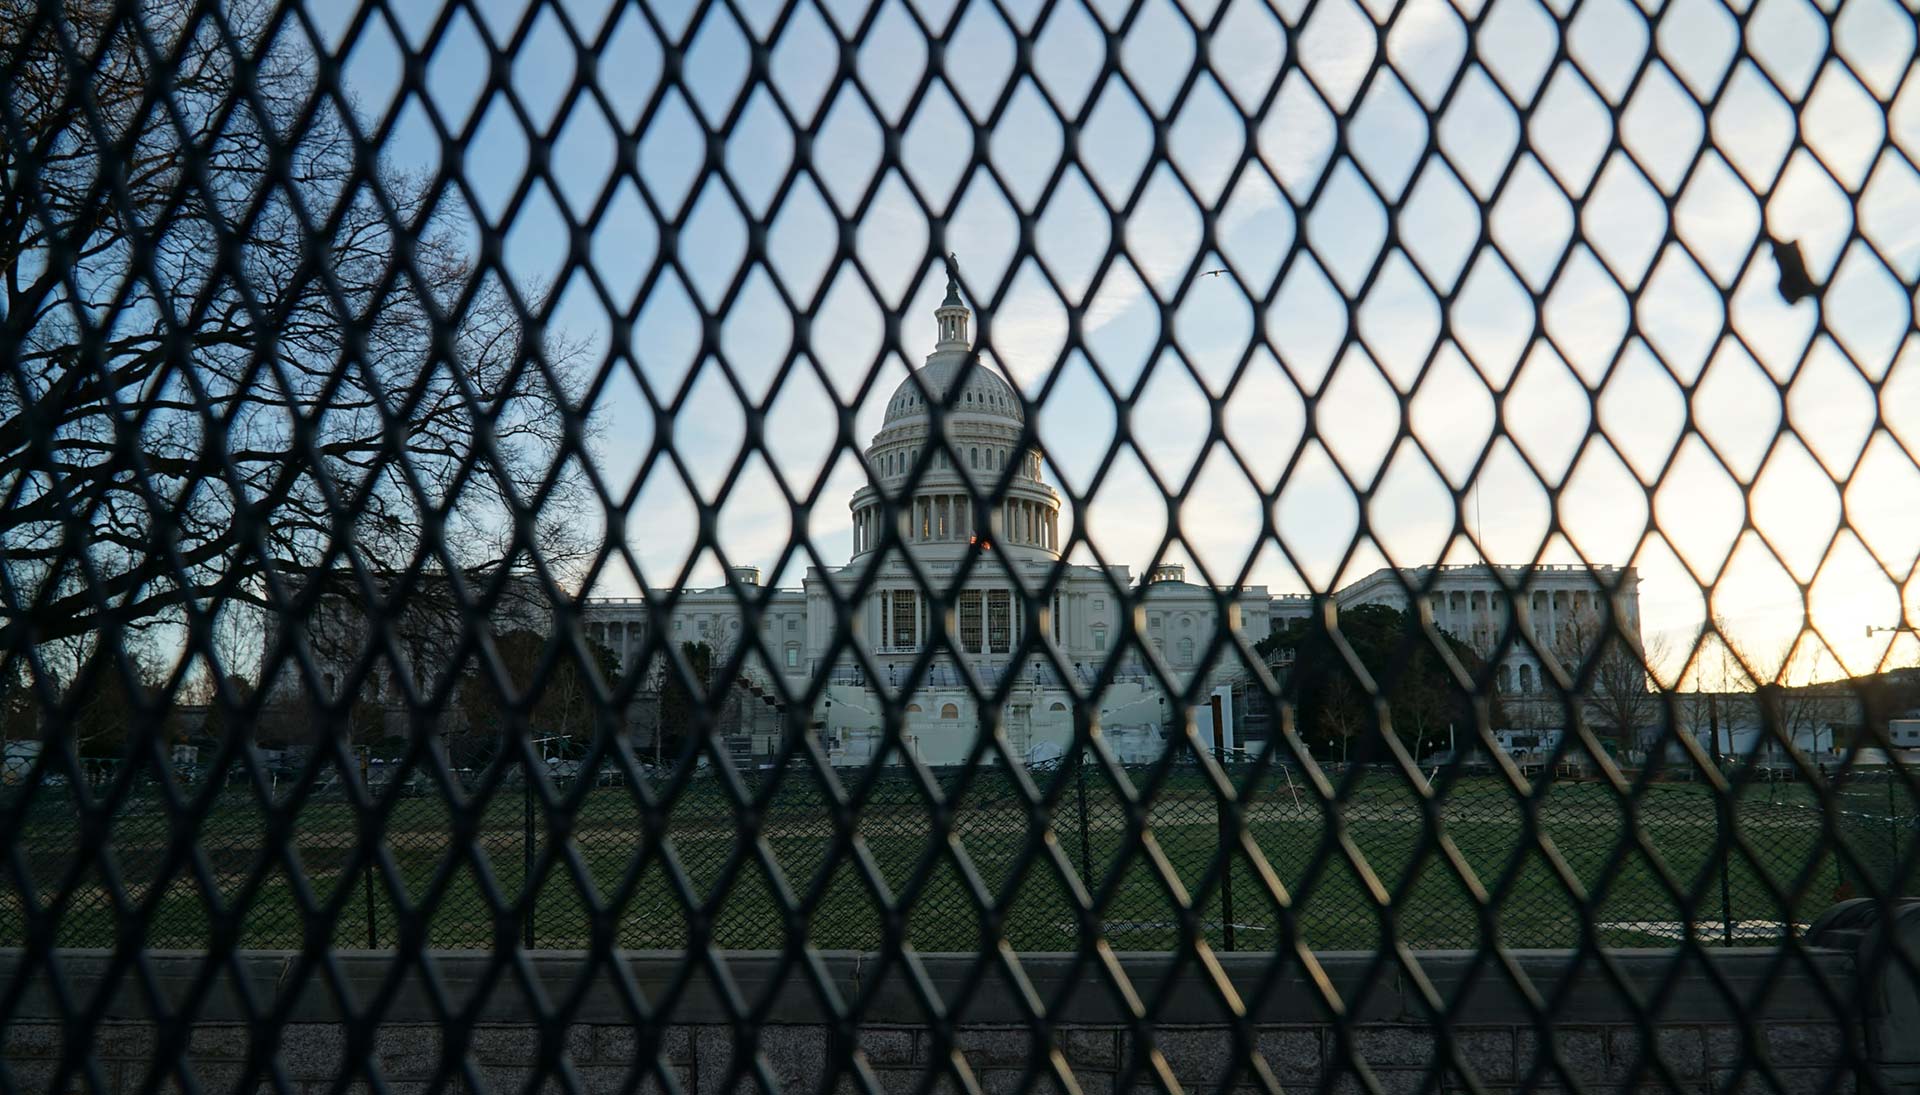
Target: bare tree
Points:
(237, 375)
(1622, 696)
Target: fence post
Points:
(526, 869)
(1721, 815)
(1086, 859)
(1223, 829)
(366, 784)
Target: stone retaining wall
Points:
(312, 1057)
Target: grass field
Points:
(1619, 884)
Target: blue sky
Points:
(1340, 122)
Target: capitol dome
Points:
(985, 392)
(984, 427)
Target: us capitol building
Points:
(1014, 553)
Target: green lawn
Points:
(1009, 855)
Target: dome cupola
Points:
(952, 315)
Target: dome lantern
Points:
(952, 313)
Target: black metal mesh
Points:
(351, 348)
(1787, 819)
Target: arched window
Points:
(1186, 651)
(949, 712)
(1526, 678)
(973, 457)
(913, 709)
(1058, 707)
(1506, 679)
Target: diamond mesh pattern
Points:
(369, 367)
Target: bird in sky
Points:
(1213, 273)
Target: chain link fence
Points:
(1389, 476)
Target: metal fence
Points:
(438, 382)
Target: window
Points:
(973, 457)
(913, 709)
(678, 626)
(1058, 707)
(1506, 679)
(904, 618)
(949, 711)
(970, 621)
(793, 655)
(1186, 651)
(793, 623)
(1526, 678)
(999, 621)
(1099, 638)
(706, 625)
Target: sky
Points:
(1761, 484)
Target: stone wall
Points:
(312, 1057)
(1838, 1014)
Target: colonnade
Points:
(933, 518)
(1465, 611)
(623, 637)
